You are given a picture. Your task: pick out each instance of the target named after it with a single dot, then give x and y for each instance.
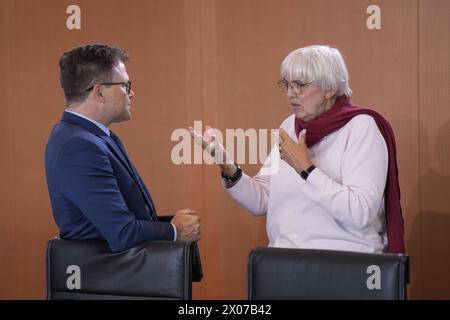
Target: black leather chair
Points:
(294, 274)
(86, 269)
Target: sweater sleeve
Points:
(356, 201)
(252, 193)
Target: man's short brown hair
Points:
(85, 66)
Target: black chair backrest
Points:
(86, 269)
(278, 273)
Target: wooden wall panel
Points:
(31, 101)
(432, 225)
(217, 61)
(153, 33)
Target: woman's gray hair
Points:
(319, 64)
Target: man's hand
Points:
(296, 155)
(187, 223)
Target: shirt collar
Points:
(98, 124)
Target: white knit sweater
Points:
(341, 204)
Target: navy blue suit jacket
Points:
(95, 191)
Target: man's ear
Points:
(329, 94)
(98, 93)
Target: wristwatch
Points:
(235, 177)
(305, 173)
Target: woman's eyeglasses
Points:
(297, 86)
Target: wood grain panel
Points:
(153, 33)
(433, 222)
(217, 61)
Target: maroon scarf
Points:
(334, 119)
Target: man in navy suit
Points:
(95, 190)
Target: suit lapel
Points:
(134, 172)
(119, 155)
(91, 127)
(117, 149)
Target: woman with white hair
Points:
(335, 184)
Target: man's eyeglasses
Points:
(297, 86)
(126, 85)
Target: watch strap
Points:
(236, 176)
(305, 173)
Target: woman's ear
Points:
(329, 94)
